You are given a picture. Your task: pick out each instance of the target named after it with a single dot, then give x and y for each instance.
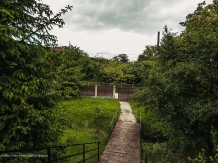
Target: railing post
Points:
(146, 158)
(84, 156)
(114, 123)
(117, 115)
(141, 151)
(98, 151)
(140, 125)
(49, 154)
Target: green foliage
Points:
(121, 58)
(182, 84)
(111, 72)
(30, 115)
(117, 72)
(149, 53)
(68, 73)
(161, 153)
(149, 125)
(202, 158)
(91, 68)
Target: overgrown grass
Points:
(153, 141)
(137, 110)
(88, 122)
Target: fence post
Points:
(49, 154)
(140, 125)
(141, 150)
(98, 151)
(84, 151)
(117, 115)
(96, 90)
(114, 88)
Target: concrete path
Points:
(126, 112)
(124, 143)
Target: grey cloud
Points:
(139, 16)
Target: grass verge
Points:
(88, 122)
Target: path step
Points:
(123, 145)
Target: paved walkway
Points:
(124, 143)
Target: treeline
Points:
(181, 93)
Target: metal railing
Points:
(8, 153)
(145, 157)
(112, 124)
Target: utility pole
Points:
(158, 39)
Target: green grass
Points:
(82, 117)
(136, 109)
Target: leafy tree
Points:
(116, 72)
(128, 73)
(90, 67)
(112, 72)
(68, 74)
(142, 70)
(148, 53)
(121, 58)
(29, 113)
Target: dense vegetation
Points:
(29, 114)
(181, 90)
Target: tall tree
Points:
(121, 58)
(148, 53)
(29, 113)
(68, 73)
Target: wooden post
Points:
(158, 38)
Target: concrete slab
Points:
(124, 143)
(126, 112)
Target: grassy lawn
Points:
(88, 124)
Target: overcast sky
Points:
(110, 27)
